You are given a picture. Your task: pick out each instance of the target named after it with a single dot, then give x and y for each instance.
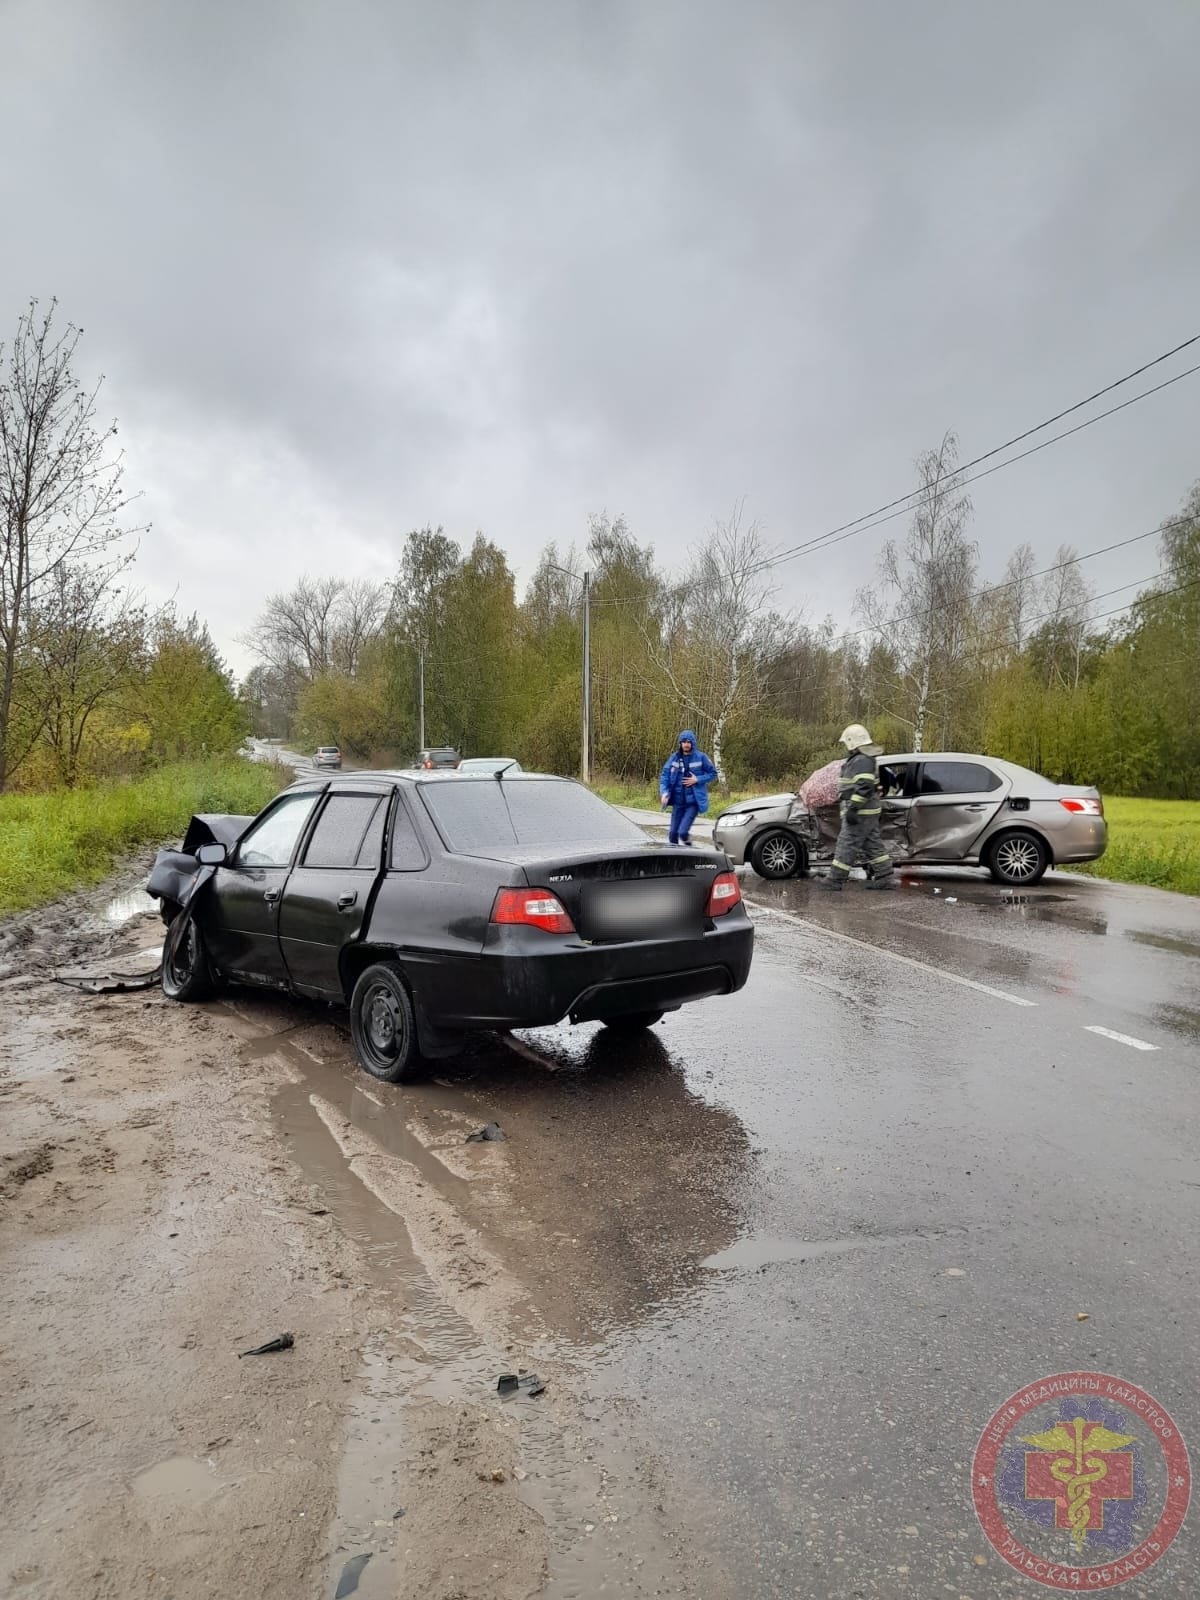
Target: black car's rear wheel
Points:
(776, 853)
(633, 1021)
(1018, 858)
(382, 1025)
(186, 974)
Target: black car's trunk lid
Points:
(621, 894)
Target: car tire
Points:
(1018, 859)
(633, 1021)
(776, 853)
(383, 1026)
(187, 975)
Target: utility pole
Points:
(585, 762)
(420, 697)
(585, 731)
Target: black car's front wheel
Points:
(633, 1021)
(186, 974)
(382, 1025)
(1018, 859)
(776, 853)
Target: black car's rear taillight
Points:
(726, 892)
(532, 908)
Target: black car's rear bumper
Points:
(526, 978)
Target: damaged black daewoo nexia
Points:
(438, 904)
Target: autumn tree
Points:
(62, 497)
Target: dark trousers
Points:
(861, 844)
(683, 814)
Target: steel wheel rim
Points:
(778, 855)
(1020, 858)
(383, 1025)
(183, 960)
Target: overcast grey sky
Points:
(354, 267)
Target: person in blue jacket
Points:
(684, 786)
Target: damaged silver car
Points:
(938, 810)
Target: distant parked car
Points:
(436, 758)
(328, 755)
(938, 809)
(492, 764)
(434, 905)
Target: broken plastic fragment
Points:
(119, 983)
(489, 1133)
(284, 1342)
(507, 1383)
(351, 1572)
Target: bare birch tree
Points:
(1065, 606)
(62, 497)
(921, 607)
(719, 632)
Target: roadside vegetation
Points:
(53, 842)
(1156, 842)
(645, 795)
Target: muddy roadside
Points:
(179, 1184)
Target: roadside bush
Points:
(51, 843)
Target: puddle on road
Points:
(432, 1353)
(180, 1480)
(758, 1252)
(134, 903)
(1162, 941)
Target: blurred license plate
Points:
(635, 907)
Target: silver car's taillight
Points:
(1090, 808)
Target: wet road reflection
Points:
(803, 1239)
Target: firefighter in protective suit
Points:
(861, 799)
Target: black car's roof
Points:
(347, 780)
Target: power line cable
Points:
(1010, 583)
(823, 541)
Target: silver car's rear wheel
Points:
(1018, 858)
(776, 854)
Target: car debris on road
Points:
(285, 1341)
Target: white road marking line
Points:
(892, 955)
(1121, 1038)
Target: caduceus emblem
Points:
(1081, 1451)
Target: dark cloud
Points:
(352, 268)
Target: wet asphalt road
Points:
(806, 1239)
(934, 1182)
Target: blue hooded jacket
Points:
(678, 766)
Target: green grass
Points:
(1151, 841)
(646, 795)
(50, 843)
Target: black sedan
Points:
(438, 904)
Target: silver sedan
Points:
(938, 810)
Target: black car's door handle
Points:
(345, 901)
(271, 895)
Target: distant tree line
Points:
(1029, 663)
(1026, 666)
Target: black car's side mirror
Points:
(212, 855)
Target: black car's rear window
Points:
(474, 814)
